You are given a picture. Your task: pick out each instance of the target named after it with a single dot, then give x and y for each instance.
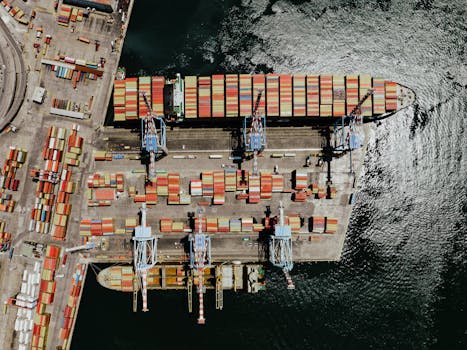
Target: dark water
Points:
(402, 282)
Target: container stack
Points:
(74, 14)
(46, 297)
(218, 96)
(242, 180)
(162, 183)
(74, 147)
(333, 192)
(321, 192)
(223, 224)
(277, 183)
(317, 224)
(53, 151)
(203, 225)
(331, 225)
(391, 95)
(85, 228)
(266, 185)
(272, 95)
(294, 222)
(254, 189)
(144, 85)
(166, 225)
(5, 237)
(230, 180)
(299, 95)
(177, 226)
(7, 204)
(131, 98)
(121, 278)
(235, 225)
(14, 161)
(338, 91)
(208, 183)
(219, 187)
(185, 199)
(102, 156)
(312, 95)
(351, 92)
(108, 227)
(204, 97)
(191, 97)
(247, 224)
(130, 224)
(300, 179)
(45, 198)
(196, 188)
(299, 196)
(286, 95)
(64, 15)
(151, 193)
(63, 209)
(157, 83)
(259, 86)
(231, 95)
(365, 85)
(379, 99)
(325, 107)
(245, 95)
(70, 311)
(174, 188)
(211, 224)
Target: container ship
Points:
(249, 278)
(294, 99)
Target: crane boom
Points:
(153, 139)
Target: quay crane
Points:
(280, 247)
(254, 133)
(353, 138)
(144, 253)
(200, 258)
(153, 138)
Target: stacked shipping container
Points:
(204, 97)
(232, 95)
(286, 95)
(218, 96)
(157, 84)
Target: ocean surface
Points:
(402, 281)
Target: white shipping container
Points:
(27, 339)
(17, 324)
(21, 337)
(25, 325)
(25, 275)
(31, 225)
(19, 313)
(30, 278)
(28, 288)
(30, 324)
(29, 315)
(23, 287)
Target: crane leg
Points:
(201, 319)
(144, 290)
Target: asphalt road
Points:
(21, 77)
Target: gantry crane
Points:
(280, 247)
(153, 138)
(200, 258)
(351, 140)
(254, 133)
(144, 253)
